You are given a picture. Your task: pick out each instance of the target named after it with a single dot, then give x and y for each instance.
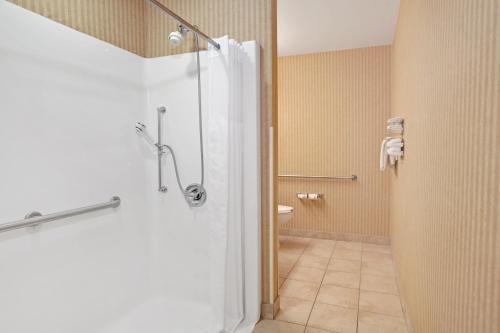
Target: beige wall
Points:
(138, 27)
(119, 22)
(333, 109)
(445, 197)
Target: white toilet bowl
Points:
(285, 214)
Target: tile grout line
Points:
(286, 278)
(346, 307)
(321, 284)
(359, 288)
(384, 314)
(325, 270)
(380, 292)
(295, 262)
(396, 277)
(385, 293)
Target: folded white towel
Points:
(394, 143)
(395, 120)
(398, 129)
(394, 151)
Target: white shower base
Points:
(162, 315)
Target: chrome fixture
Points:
(353, 177)
(140, 128)
(35, 218)
(195, 194)
(161, 110)
(177, 37)
(184, 24)
(309, 196)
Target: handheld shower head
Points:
(140, 128)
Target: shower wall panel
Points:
(69, 103)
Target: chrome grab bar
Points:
(353, 177)
(35, 218)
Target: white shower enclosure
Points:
(68, 106)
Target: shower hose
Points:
(200, 123)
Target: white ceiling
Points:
(310, 26)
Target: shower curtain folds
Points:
(225, 165)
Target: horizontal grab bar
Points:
(353, 177)
(35, 218)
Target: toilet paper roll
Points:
(302, 196)
(314, 196)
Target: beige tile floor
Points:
(331, 286)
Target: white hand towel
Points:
(395, 128)
(383, 154)
(394, 151)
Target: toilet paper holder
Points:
(309, 196)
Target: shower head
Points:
(177, 37)
(140, 128)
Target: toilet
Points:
(285, 214)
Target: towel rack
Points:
(35, 218)
(353, 177)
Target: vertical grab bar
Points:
(161, 110)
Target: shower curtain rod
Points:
(184, 22)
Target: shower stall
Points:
(148, 260)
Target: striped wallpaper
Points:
(333, 108)
(119, 22)
(445, 197)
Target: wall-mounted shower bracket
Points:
(162, 149)
(195, 194)
(161, 188)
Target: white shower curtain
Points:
(224, 170)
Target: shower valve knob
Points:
(195, 195)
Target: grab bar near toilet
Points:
(352, 177)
